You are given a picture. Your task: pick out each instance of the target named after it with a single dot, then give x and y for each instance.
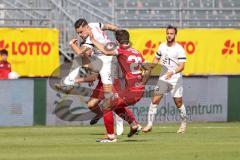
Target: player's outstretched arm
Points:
(147, 68)
(146, 75)
(101, 47)
(109, 27)
(146, 71)
(155, 60)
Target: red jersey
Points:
(5, 69)
(130, 60)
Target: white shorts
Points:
(104, 65)
(106, 68)
(70, 78)
(163, 87)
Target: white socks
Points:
(153, 110)
(119, 125)
(183, 114)
(151, 113)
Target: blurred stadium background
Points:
(211, 82)
(126, 13)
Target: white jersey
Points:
(107, 68)
(170, 57)
(98, 34)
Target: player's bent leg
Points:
(156, 99)
(161, 88)
(86, 61)
(107, 89)
(129, 117)
(67, 84)
(93, 106)
(152, 112)
(179, 103)
(134, 130)
(127, 97)
(126, 114)
(70, 79)
(119, 105)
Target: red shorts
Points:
(98, 92)
(127, 97)
(121, 98)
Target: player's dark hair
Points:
(80, 23)
(172, 27)
(4, 52)
(122, 36)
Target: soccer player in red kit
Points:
(122, 112)
(5, 66)
(130, 61)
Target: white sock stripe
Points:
(151, 113)
(183, 113)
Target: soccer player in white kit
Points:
(172, 59)
(82, 28)
(106, 66)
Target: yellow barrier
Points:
(209, 51)
(32, 51)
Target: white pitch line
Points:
(207, 127)
(210, 127)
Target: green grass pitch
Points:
(203, 141)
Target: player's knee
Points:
(156, 101)
(178, 103)
(107, 88)
(91, 104)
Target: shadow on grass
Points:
(135, 140)
(167, 132)
(96, 134)
(159, 132)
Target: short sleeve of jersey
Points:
(181, 54)
(158, 53)
(96, 25)
(88, 42)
